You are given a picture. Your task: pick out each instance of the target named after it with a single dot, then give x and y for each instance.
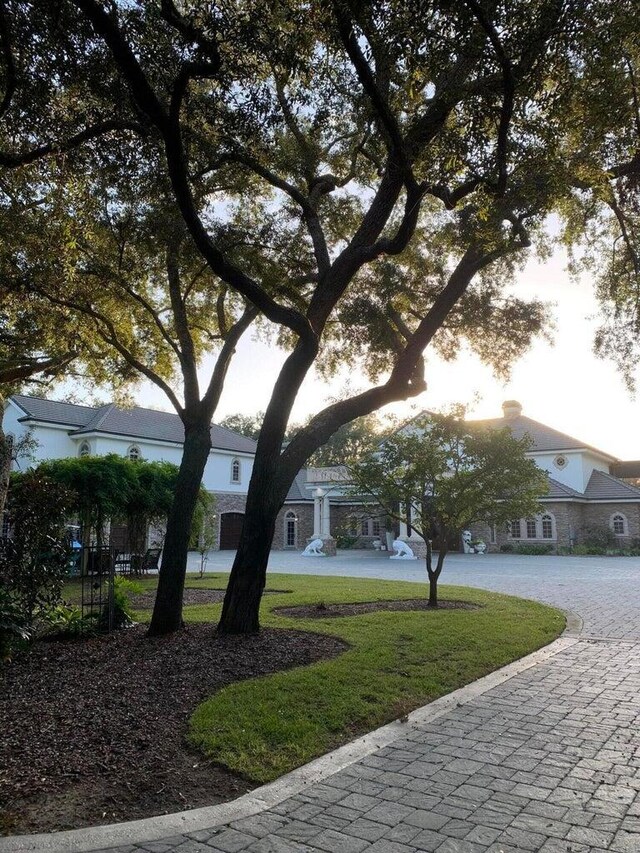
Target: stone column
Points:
(417, 542)
(318, 495)
(329, 546)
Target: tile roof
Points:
(544, 438)
(67, 414)
(604, 487)
(137, 422)
(560, 490)
(298, 492)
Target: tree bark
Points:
(434, 574)
(5, 467)
(167, 611)
(267, 492)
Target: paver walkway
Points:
(547, 761)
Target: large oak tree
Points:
(378, 171)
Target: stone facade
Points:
(571, 519)
(227, 503)
(304, 527)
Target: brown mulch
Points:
(329, 611)
(145, 600)
(93, 731)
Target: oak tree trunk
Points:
(167, 611)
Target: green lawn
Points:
(396, 662)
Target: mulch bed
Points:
(145, 600)
(93, 731)
(329, 611)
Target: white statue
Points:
(467, 547)
(377, 544)
(403, 551)
(471, 547)
(314, 549)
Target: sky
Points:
(562, 385)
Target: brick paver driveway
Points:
(547, 761)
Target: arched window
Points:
(84, 449)
(133, 453)
(235, 471)
(618, 524)
(290, 524)
(547, 526)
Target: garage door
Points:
(230, 530)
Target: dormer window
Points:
(133, 453)
(235, 471)
(84, 449)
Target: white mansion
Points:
(586, 485)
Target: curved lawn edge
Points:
(396, 662)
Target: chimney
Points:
(511, 409)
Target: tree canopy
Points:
(368, 177)
(441, 475)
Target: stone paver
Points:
(548, 761)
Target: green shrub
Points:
(34, 561)
(507, 548)
(14, 633)
(122, 609)
(589, 551)
(66, 621)
(345, 540)
(596, 536)
(532, 548)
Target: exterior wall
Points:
(601, 514)
(578, 469)
(304, 526)
(568, 519)
(217, 473)
(227, 503)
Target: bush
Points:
(344, 540)
(122, 609)
(14, 633)
(507, 548)
(66, 622)
(589, 551)
(533, 549)
(596, 536)
(33, 563)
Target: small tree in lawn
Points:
(204, 531)
(441, 474)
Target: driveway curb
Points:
(295, 782)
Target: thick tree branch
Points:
(11, 80)
(216, 384)
(17, 370)
(100, 129)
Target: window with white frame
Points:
(235, 471)
(364, 527)
(493, 534)
(540, 527)
(133, 453)
(375, 527)
(290, 521)
(352, 525)
(618, 524)
(84, 449)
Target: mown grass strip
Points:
(396, 661)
